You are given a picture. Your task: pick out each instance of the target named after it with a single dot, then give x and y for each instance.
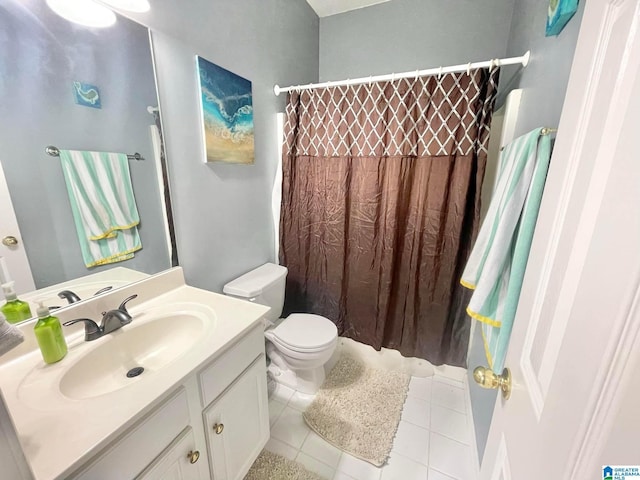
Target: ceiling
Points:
(325, 8)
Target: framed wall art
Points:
(560, 12)
(227, 114)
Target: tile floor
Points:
(433, 441)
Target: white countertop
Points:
(57, 433)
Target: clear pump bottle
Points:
(14, 310)
(49, 335)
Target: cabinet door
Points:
(237, 424)
(177, 462)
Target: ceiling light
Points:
(83, 12)
(137, 6)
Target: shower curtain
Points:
(380, 206)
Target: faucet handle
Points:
(91, 328)
(102, 290)
(123, 305)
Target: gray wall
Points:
(545, 83)
(223, 212)
(42, 55)
(404, 35)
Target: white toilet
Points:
(298, 345)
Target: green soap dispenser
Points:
(49, 335)
(14, 310)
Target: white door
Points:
(577, 318)
(11, 246)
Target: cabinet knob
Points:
(193, 456)
(218, 428)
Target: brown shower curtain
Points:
(380, 205)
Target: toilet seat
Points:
(304, 333)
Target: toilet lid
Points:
(305, 331)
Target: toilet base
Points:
(304, 381)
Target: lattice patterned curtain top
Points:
(425, 116)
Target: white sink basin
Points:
(151, 341)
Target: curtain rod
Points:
(55, 152)
(524, 60)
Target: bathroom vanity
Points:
(198, 410)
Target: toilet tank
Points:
(264, 285)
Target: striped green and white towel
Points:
(496, 266)
(104, 208)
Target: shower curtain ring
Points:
(469, 68)
(370, 78)
(440, 72)
(417, 73)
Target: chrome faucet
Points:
(72, 297)
(111, 320)
(69, 296)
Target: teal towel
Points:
(103, 205)
(496, 266)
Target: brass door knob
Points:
(218, 428)
(10, 241)
(193, 456)
(486, 378)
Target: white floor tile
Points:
(300, 401)
(450, 423)
(402, 468)
(416, 411)
(449, 396)
(420, 388)
(450, 457)
(282, 393)
(275, 409)
(358, 469)
(451, 381)
(281, 448)
(342, 476)
(316, 466)
(412, 442)
(290, 428)
(318, 448)
(436, 475)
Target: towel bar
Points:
(55, 152)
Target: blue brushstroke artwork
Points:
(559, 14)
(86, 95)
(227, 110)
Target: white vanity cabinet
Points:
(211, 427)
(173, 463)
(238, 424)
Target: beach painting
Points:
(227, 113)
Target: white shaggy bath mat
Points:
(270, 466)
(358, 409)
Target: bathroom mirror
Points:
(42, 56)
